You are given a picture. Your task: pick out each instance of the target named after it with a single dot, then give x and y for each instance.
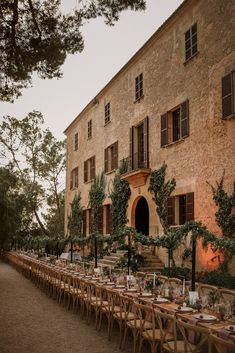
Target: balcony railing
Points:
(134, 162)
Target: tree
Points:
(161, 191)
(75, 217)
(120, 195)
(96, 199)
(36, 157)
(37, 37)
(12, 208)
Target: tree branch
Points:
(34, 18)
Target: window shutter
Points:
(90, 220)
(71, 180)
(131, 144)
(93, 168)
(164, 134)
(227, 96)
(76, 177)
(115, 156)
(85, 171)
(190, 206)
(100, 220)
(106, 160)
(146, 142)
(184, 119)
(84, 222)
(108, 219)
(171, 211)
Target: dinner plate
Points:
(230, 328)
(120, 286)
(146, 295)
(205, 317)
(185, 309)
(131, 290)
(161, 300)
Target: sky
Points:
(106, 50)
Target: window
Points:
(89, 169)
(139, 156)
(139, 87)
(190, 42)
(107, 113)
(228, 95)
(89, 129)
(180, 209)
(175, 124)
(76, 142)
(108, 219)
(111, 157)
(74, 178)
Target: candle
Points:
(154, 280)
(110, 270)
(101, 269)
(183, 290)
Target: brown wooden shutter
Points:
(85, 171)
(184, 119)
(76, 177)
(131, 148)
(146, 142)
(108, 219)
(189, 206)
(106, 169)
(84, 220)
(71, 180)
(227, 96)
(164, 132)
(171, 211)
(93, 168)
(100, 221)
(90, 220)
(115, 156)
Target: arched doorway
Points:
(142, 216)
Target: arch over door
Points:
(142, 216)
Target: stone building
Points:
(173, 101)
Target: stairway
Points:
(111, 260)
(152, 263)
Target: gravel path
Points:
(31, 322)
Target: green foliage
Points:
(96, 199)
(55, 218)
(177, 272)
(37, 159)
(224, 216)
(37, 37)
(161, 191)
(120, 195)
(75, 218)
(13, 211)
(218, 278)
(136, 262)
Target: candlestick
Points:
(183, 290)
(154, 280)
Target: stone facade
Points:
(168, 80)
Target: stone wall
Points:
(168, 81)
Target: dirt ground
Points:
(31, 322)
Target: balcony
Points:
(135, 169)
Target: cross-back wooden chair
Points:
(220, 345)
(148, 328)
(195, 338)
(167, 326)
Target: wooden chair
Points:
(195, 338)
(206, 289)
(133, 325)
(227, 295)
(174, 282)
(167, 326)
(146, 317)
(220, 345)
